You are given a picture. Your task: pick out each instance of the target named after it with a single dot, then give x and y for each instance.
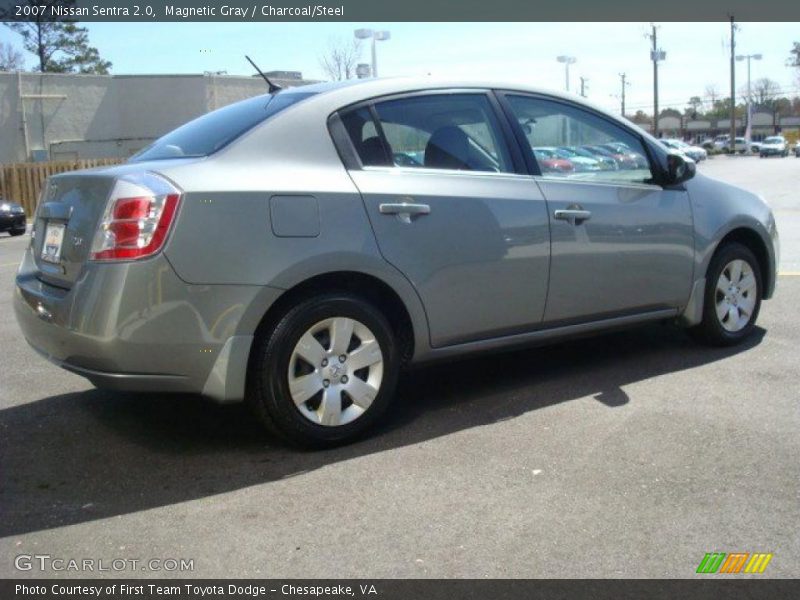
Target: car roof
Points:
(332, 96)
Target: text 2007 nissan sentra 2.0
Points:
(298, 248)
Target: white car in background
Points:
(696, 153)
(774, 145)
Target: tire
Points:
(725, 331)
(16, 232)
(278, 357)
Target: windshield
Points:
(207, 134)
(773, 140)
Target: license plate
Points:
(53, 239)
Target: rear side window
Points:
(432, 131)
(207, 134)
(364, 134)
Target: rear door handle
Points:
(404, 210)
(572, 215)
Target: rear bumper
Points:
(137, 327)
(128, 382)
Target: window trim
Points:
(655, 167)
(504, 132)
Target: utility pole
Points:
(623, 77)
(732, 141)
(584, 87)
(656, 55)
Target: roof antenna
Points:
(273, 87)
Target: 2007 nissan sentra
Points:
(298, 249)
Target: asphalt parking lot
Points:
(626, 455)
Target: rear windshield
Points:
(207, 134)
(773, 140)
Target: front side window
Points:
(569, 142)
(436, 131)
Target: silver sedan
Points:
(298, 249)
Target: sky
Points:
(697, 53)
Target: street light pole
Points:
(375, 36)
(748, 57)
(623, 77)
(656, 55)
(567, 60)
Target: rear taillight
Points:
(138, 217)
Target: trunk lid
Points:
(75, 203)
(70, 208)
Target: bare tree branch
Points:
(10, 58)
(341, 58)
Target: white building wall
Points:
(102, 116)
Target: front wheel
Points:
(732, 297)
(16, 232)
(325, 373)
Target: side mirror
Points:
(681, 168)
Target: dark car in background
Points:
(12, 217)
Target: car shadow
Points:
(83, 456)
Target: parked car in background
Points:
(551, 162)
(624, 161)
(607, 163)
(12, 217)
(721, 142)
(582, 163)
(625, 150)
(696, 153)
(274, 251)
(774, 145)
(797, 150)
(755, 146)
(741, 145)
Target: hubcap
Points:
(335, 371)
(736, 295)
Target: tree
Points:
(341, 58)
(61, 45)
(695, 105)
(10, 58)
(670, 112)
(794, 55)
(712, 93)
(765, 91)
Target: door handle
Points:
(404, 210)
(573, 215)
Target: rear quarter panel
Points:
(224, 234)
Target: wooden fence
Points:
(22, 182)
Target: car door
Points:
(621, 243)
(450, 211)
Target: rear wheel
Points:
(16, 232)
(326, 373)
(732, 297)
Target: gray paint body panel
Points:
(184, 319)
(486, 234)
(635, 252)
